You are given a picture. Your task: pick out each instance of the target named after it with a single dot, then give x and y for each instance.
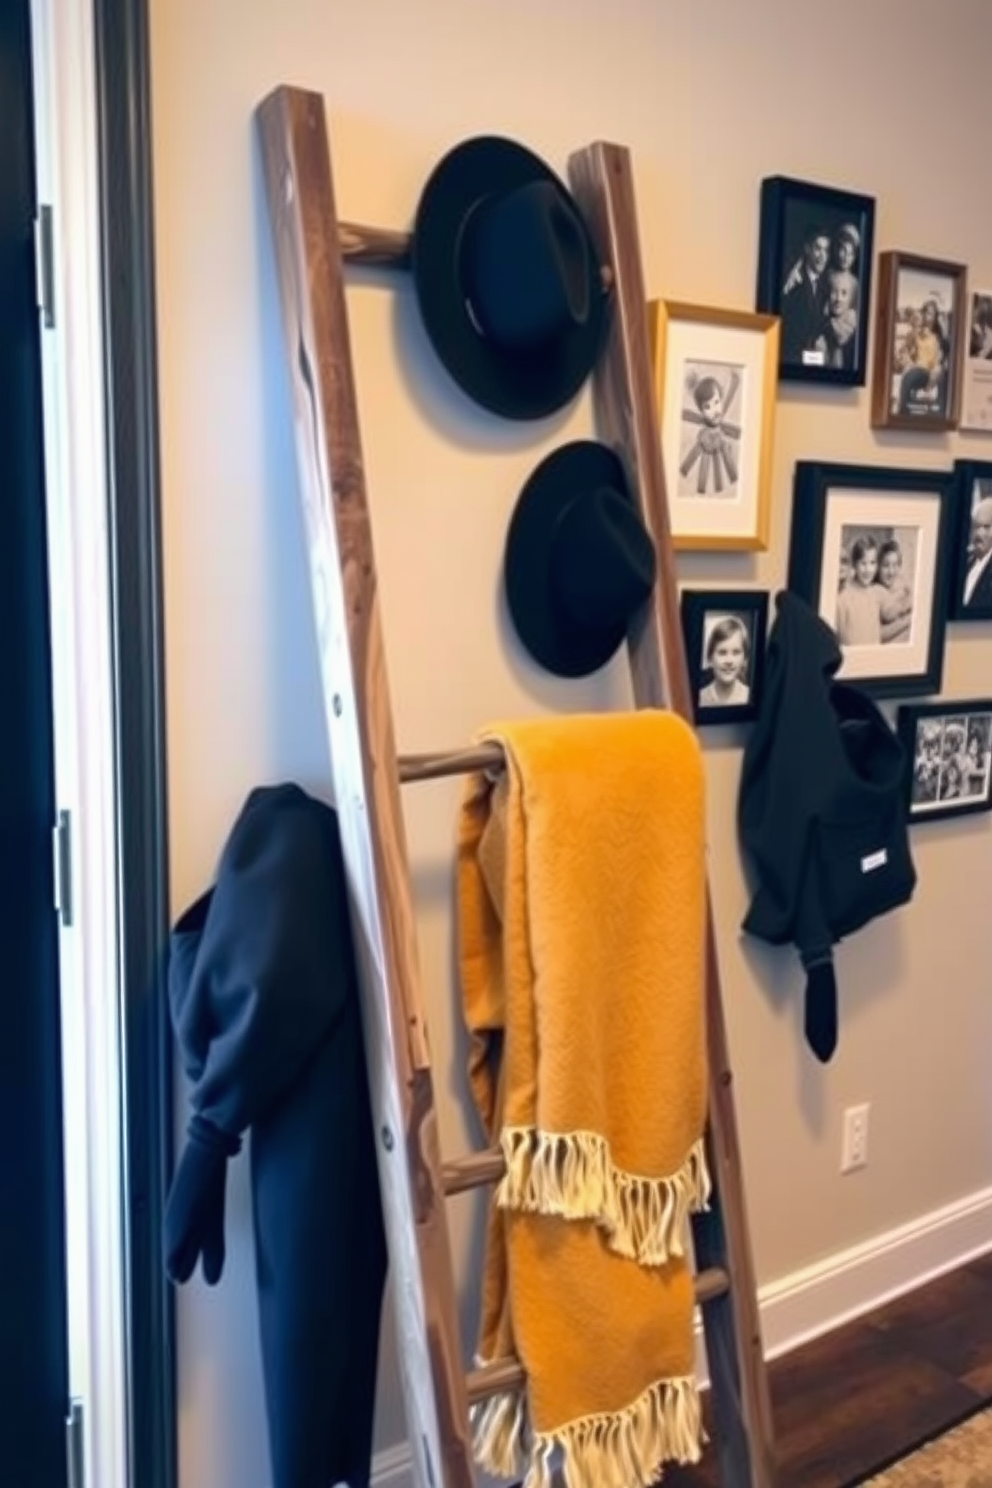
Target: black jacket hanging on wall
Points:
(821, 809)
(264, 999)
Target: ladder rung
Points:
(508, 1374)
(494, 1379)
(456, 762)
(382, 248)
(480, 1168)
(710, 1284)
(378, 247)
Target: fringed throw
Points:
(581, 916)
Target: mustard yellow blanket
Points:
(581, 914)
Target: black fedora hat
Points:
(579, 561)
(507, 278)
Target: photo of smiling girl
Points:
(727, 661)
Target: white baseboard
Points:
(821, 1297)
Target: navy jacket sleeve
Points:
(255, 971)
(790, 766)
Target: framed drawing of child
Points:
(725, 631)
(871, 551)
(814, 271)
(715, 382)
(916, 378)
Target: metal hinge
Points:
(45, 265)
(62, 842)
(75, 1459)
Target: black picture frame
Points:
(926, 727)
(790, 211)
(814, 486)
(970, 476)
(699, 609)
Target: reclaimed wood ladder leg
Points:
(301, 208)
(602, 180)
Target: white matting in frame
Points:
(976, 382)
(715, 381)
(912, 522)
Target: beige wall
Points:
(885, 96)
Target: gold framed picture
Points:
(715, 384)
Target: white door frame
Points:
(65, 106)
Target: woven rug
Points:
(961, 1458)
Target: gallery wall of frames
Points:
(888, 556)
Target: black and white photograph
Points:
(973, 540)
(814, 270)
(976, 381)
(950, 747)
(725, 632)
(715, 383)
(871, 551)
(876, 585)
(917, 375)
(713, 404)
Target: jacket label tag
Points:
(874, 860)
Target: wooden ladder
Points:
(312, 248)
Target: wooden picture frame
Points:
(715, 378)
(861, 528)
(919, 325)
(725, 628)
(971, 568)
(816, 244)
(949, 749)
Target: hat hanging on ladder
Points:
(507, 278)
(579, 562)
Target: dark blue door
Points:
(33, 1347)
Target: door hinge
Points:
(44, 253)
(62, 840)
(75, 1456)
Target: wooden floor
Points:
(849, 1403)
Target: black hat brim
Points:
(514, 386)
(556, 642)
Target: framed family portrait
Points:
(916, 378)
(725, 632)
(971, 569)
(814, 271)
(976, 377)
(949, 745)
(870, 551)
(715, 379)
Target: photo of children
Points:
(713, 401)
(923, 349)
(821, 295)
(725, 664)
(876, 585)
(952, 761)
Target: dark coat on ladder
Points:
(264, 998)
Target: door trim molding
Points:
(130, 362)
(93, 146)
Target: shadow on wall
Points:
(295, 715)
(870, 966)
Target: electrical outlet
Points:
(854, 1152)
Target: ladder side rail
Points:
(601, 177)
(293, 132)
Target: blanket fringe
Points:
(573, 1176)
(625, 1449)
